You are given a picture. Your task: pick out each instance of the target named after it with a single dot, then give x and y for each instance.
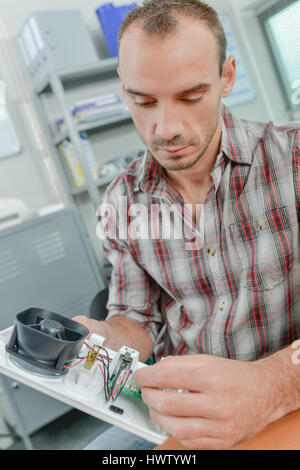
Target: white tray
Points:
(135, 418)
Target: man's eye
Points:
(144, 103)
(192, 100)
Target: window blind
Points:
(283, 31)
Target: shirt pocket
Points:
(264, 245)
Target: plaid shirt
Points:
(229, 287)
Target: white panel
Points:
(10, 144)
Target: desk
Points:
(283, 434)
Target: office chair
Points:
(98, 310)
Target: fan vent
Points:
(9, 266)
(46, 340)
(50, 248)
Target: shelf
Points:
(102, 181)
(104, 66)
(100, 123)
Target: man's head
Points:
(173, 71)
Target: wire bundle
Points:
(113, 385)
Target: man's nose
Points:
(169, 122)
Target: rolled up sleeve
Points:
(132, 292)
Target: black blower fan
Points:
(45, 342)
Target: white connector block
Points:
(134, 355)
(88, 382)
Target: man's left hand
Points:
(228, 400)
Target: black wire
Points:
(117, 375)
(106, 372)
(106, 352)
(122, 386)
(106, 375)
(109, 390)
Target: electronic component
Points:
(91, 357)
(45, 342)
(116, 409)
(117, 373)
(131, 388)
(122, 368)
(86, 378)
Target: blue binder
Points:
(111, 18)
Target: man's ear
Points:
(228, 76)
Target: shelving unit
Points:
(99, 124)
(56, 85)
(56, 82)
(104, 66)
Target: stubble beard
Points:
(185, 165)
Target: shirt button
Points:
(260, 224)
(211, 251)
(222, 306)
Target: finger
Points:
(188, 429)
(183, 404)
(206, 443)
(83, 320)
(170, 373)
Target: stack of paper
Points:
(93, 109)
(72, 162)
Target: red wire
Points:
(104, 357)
(73, 365)
(118, 386)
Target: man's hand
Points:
(119, 331)
(228, 401)
(100, 328)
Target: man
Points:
(222, 300)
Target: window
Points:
(281, 24)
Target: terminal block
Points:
(91, 357)
(122, 368)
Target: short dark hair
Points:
(157, 18)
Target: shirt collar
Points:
(238, 142)
(235, 144)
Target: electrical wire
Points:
(116, 376)
(124, 379)
(105, 373)
(76, 363)
(102, 347)
(114, 389)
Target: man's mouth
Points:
(175, 150)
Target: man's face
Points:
(173, 88)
